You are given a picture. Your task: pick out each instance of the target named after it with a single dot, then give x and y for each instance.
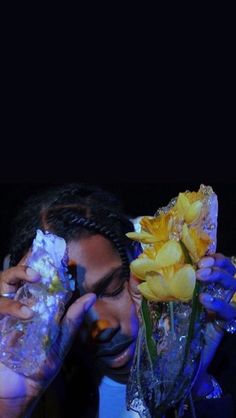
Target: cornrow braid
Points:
(71, 211)
(103, 230)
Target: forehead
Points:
(94, 257)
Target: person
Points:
(88, 365)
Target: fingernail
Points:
(203, 273)
(206, 262)
(89, 303)
(27, 312)
(34, 275)
(206, 298)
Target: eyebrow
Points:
(104, 281)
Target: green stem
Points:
(195, 314)
(147, 322)
(196, 310)
(172, 323)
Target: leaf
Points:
(147, 322)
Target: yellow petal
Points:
(183, 283)
(141, 266)
(158, 226)
(168, 272)
(146, 291)
(150, 252)
(233, 298)
(189, 243)
(196, 243)
(182, 205)
(193, 196)
(193, 212)
(143, 237)
(158, 286)
(169, 254)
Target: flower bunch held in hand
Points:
(173, 242)
(170, 338)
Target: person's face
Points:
(112, 320)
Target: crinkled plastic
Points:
(24, 344)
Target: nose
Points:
(101, 331)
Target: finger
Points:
(218, 306)
(15, 309)
(218, 260)
(217, 275)
(12, 277)
(206, 262)
(71, 323)
(224, 263)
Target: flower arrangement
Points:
(170, 339)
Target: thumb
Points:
(78, 309)
(71, 323)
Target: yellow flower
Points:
(168, 254)
(196, 242)
(188, 207)
(163, 264)
(153, 229)
(176, 285)
(144, 237)
(158, 226)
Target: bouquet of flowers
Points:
(170, 340)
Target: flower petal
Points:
(189, 243)
(158, 226)
(233, 298)
(196, 242)
(183, 283)
(193, 212)
(158, 286)
(146, 292)
(143, 237)
(141, 266)
(169, 254)
(182, 205)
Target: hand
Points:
(19, 392)
(220, 270)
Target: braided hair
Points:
(72, 211)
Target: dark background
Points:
(139, 198)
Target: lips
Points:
(113, 349)
(118, 360)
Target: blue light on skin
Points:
(91, 314)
